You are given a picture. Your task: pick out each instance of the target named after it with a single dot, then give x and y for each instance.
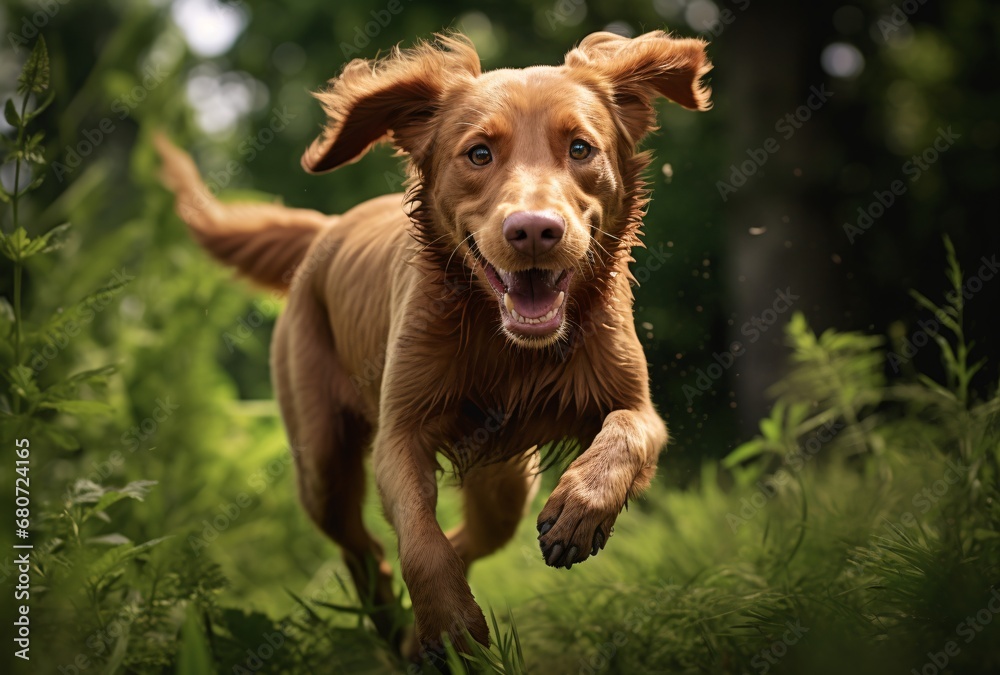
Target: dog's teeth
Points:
(509, 304)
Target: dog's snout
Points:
(533, 232)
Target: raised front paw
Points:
(576, 522)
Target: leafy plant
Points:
(31, 405)
(865, 516)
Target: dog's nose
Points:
(533, 232)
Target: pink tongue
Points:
(533, 292)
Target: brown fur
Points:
(394, 338)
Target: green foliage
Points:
(864, 515)
(195, 657)
(866, 511)
(30, 406)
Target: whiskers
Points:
(432, 242)
(468, 270)
(621, 243)
(447, 265)
(607, 234)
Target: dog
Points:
(484, 315)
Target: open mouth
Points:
(532, 302)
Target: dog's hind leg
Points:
(329, 439)
(494, 498)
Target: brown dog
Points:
(484, 315)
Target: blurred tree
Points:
(906, 116)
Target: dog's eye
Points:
(579, 149)
(480, 155)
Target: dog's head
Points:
(529, 178)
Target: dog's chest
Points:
(506, 406)
(486, 430)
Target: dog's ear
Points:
(393, 98)
(638, 69)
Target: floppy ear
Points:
(393, 98)
(638, 69)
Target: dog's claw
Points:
(572, 530)
(554, 555)
(598, 541)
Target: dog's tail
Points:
(265, 242)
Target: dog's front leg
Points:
(432, 570)
(577, 519)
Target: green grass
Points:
(869, 549)
(860, 531)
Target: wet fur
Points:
(391, 339)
